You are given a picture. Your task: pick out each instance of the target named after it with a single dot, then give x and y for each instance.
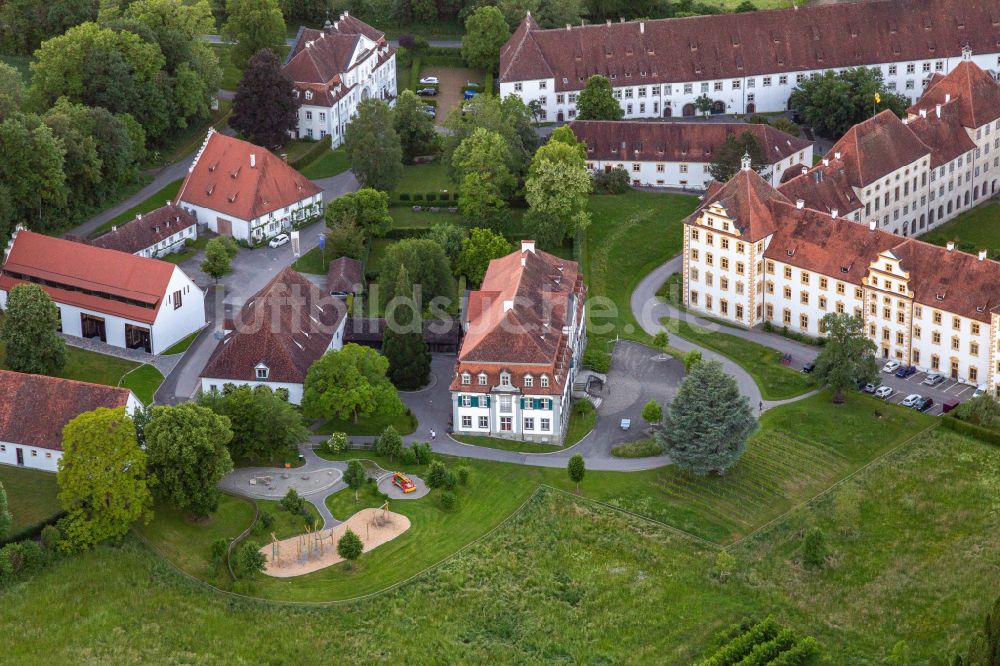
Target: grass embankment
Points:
(630, 235)
(154, 201)
(330, 163)
(776, 381)
(88, 366)
(913, 545)
(405, 424)
(182, 346)
(31, 495)
(974, 230)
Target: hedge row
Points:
(407, 197)
(32, 531)
(312, 154)
(399, 233)
(971, 429)
(441, 61)
(415, 74)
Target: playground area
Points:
(274, 483)
(312, 551)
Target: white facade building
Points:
(117, 298)
(336, 68)
(678, 155)
(524, 336)
(156, 234)
(745, 62)
(36, 408)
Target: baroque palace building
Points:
(746, 62)
(835, 238)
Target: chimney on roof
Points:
(114, 228)
(327, 27)
(508, 305)
(950, 246)
(284, 157)
(800, 203)
(982, 255)
(642, 27)
(169, 202)
(871, 225)
(937, 110)
(568, 26)
(923, 113)
(609, 21)
(947, 97)
(528, 246)
(833, 213)
(253, 161)
(138, 216)
(621, 19)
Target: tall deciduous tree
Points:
(29, 332)
(12, 90)
(576, 470)
(556, 191)
(449, 237)
(186, 448)
(367, 209)
(509, 117)
(485, 152)
(729, 156)
(264, 424)
(833, 102)
(704, 104)
(557, 13)
(481, 246)
(265, 107)
(414, 127)
(355, 476)
(373, 147)
(350, 383)
(708, 423)
(32, 176)
(481, 202)
(25, 24)
(253, 25)
(216, 262)
(404, 345)
(847, 356)
(427, 266)
(597, 102)
(485, 32)
(102, 478)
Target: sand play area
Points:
(305, 553)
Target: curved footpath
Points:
(648, 310)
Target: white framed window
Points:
(544, 381)
(262, 371)
(529, 423)
(482, 379)
(518, 87)
(506, 424)
(466, 422)
(484, 422)
(546, 424)
(505, 379)
(466, 378)
(506, 404)
(543, 85)
(528, 381)
(465, 401)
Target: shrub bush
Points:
(644, 448)
(51, 536)
(407, 457)
(448, 500)
(292, 502)
(814, 550)
(422, 450)
(248, 560)
(418, 197)
(405, 196)
(337, 443)
(437, 475)
(596, 359)
(431, 196)
(463, 475)
(971, 429)
(615, 181)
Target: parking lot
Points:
(941, 393)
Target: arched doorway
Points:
(718, 106)
(365, 93)
(559, 116)
(668, 111)
(688, 110)
(751, 108)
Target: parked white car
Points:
(429, 80)
(891, 366)
(279, 240)
(911, 400)
(933, 379)
(883, 392)
(980, 390)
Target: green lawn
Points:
(580, 423)
(330, 163)
(913, 542)
(405, 216)
(424, 178)
(31, 495)
(314, 262)
(88, 366)
(182, 346)
(630, 235)
(974, 230)
(156, 200)
(776, 381)
(143, 381)
(231, 75)
(285, 524)
(191, 248)
(404, 424)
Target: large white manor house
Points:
(834, 239)
(746, 62)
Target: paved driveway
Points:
(453, 80)
(940, 393)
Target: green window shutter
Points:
(475, 401)
(522, 403)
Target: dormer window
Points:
(466, 378)
(309, 94)
(505, 379)
(482, 379)
(528, 381)
(544, 381)
(295, 93)
(262, 371)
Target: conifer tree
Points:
(404, 345)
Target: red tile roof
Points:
(318, 57)
(676, 142)
(975, 92)
(515, 321)
(748, 200)
(222, 179)
(286, 326)
(118, 283)
(344, 276)
(35, 408)
(824, 187)
(876, 147)
(945, 135)
(721, 46)
(146, 230)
